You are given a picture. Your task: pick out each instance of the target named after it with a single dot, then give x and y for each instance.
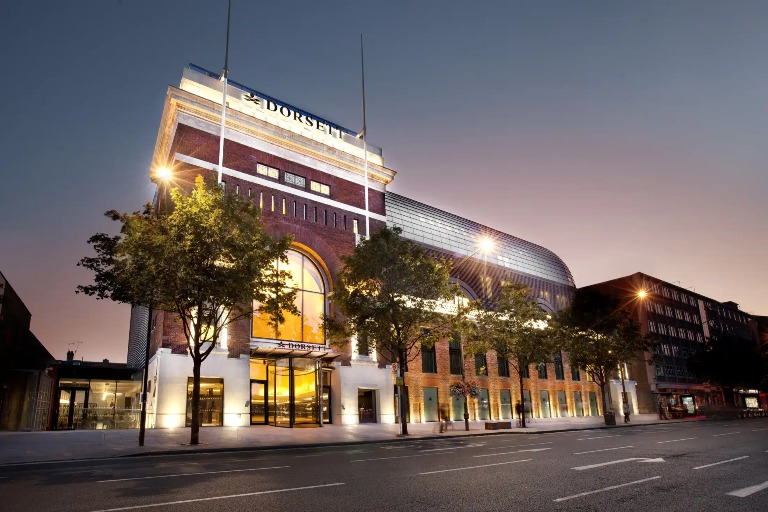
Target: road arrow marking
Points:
(510, 453)
(638, 459)
(743, 493)
(721, 462)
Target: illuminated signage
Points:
(289, 113)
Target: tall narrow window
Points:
(249, 191)
(559, 371)
(237, 189)
(261, 200)
(354, 226)
(454, 352)
(294, 208)
(325, 217)
(481, 364)
(305, 212)
(315, 216)
(542, 370)
(284, 206)
(428, 360)
(575, 373)
(334, 220)
(272, 207)
(363, 346)
(503, 367)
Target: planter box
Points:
(491, 425)
(505, 424)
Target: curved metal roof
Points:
(446, 231)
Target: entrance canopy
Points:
(305, 351)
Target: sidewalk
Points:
(26, 447)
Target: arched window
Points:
(310, 301)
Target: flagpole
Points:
(365, 146)
(224, 97)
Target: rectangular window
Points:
(211, 402)
(652, 326)
(659, 370)
(672, 331)
(562, 404)
(334, 220)
(315, 214)
(363, 347)
(503, 367)
(542, 368)
(669, 311)
(454, 352)
(261, 200)
(687, 316)
(428, 360)
(305, 212)
(320, 188)
(237, 189)
(325, 217)
(575, 373)
(294, 208)
(559, 371)
(295, 180)
(525, 371)
(249, 191)
(649, 305)
(272, 204)
(268, 171)
(354, 226)
(699, 337)
(546, 411)
(663, 329)
(481, 365)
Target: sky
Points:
(624, 136)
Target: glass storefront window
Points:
(546, 411)
(505, 400)
(483, 405)
(578, 405)
(211, 402)
(98, 404)
(562, 404)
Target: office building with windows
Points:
(682, 322)
(310, 176)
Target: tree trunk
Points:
(401, 358)
(602, 397)
(195, 433)
(522, 400)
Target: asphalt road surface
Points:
(701, 466)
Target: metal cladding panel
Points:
(446, 231)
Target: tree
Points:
(731, 361)
(600, 336)
(206, 260)
(388, 295)
(514, 326)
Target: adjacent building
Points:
(319, 182)
(682, 322)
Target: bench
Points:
(491, 425)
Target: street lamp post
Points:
(163, 174)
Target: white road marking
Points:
(758, 429)
(743, 493)
(475, 467)
(453, 447)
(518, 445)
(638, 459)
(598, 437)
(399, 457)
(721, 462)
(675, 440)
(211, 498)
(604, 450)
(726, 434)
(607, 488)
(188, 474)
(510, 453)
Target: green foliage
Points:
(206, 260)
(388, 293)
(512, 324)
(599, 335)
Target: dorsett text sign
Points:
(290, 114)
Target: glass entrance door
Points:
(259, 402)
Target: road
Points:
(689, 467)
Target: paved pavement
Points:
(26, 447)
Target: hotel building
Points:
(309, 176)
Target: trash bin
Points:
(610, 418)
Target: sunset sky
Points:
(624, 136)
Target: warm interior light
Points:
(163, 173)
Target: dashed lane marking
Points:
(211, 498)
(604, 489)
(188, 474)
(400, 457)
(675, 440)
(721, 462)
(598, 437)
(726, 434)
(453, 447)
(518, 445)
(604, 450)
(743, 493)
(474, 467)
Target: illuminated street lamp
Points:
(163, 175)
